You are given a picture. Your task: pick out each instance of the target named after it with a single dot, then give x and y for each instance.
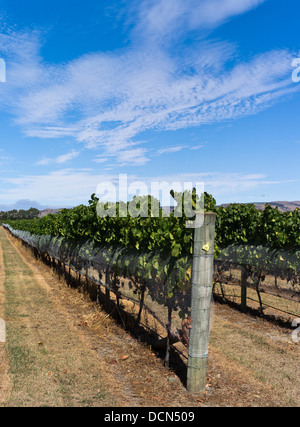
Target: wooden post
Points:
(202, 278)
(107, 291)
(167, 357)
(244, 278)
(85, 287)
(99, 283)
(142, 301)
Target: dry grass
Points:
(4, 378)
(263, 350)
(279, 307)
(79, 338)
(49, 363)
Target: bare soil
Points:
(63, 349)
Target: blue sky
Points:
(161, 90)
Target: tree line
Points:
(16, 214)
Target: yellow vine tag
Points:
(206, 247)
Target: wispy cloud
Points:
(63, 158)
(162, 19)
(100, 159)
(196, 147)
(133, 96)
(134, 157)
(106, 100)
(69, 186)
(5, 159)
(174, 149)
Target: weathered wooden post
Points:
(107, 290)
(202, 278)
(244, 279)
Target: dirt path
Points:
(62, 350)
(49, 363)
(4, 378)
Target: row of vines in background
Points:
(260, 243)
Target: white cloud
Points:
(106, 100)
(130, 157)
(135, 157)
(135, 93)
(100, 159)
(63, 187)
(163, 19)
(63, 158)
(67, 157)
(5, 159)
(196, 147)
(44, 161)
(68, 186)
(253, 176)
(171, 149)
(214, 12)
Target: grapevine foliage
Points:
(263, 241)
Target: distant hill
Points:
(168, 209)
(26, 204)
(22, 204)
(282, 206)
(46, 212)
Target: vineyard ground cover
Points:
(276, 286)
(276, 309)
(251, 362)
(77, 333)
(280, 299)
(154, 316)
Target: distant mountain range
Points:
(24, 204)
(28, 204)
(282, 206)
(44, 210)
